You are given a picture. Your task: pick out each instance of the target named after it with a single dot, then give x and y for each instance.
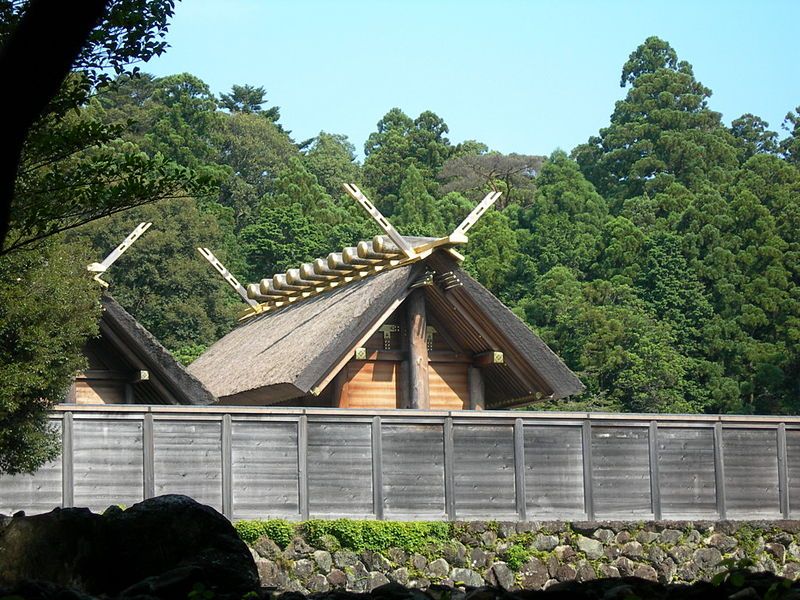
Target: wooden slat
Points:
(621, 472)
(188, 460)
(484, 471)
(413, 470)
(686, 472)
(264, 470)
(340, 469)
(448, 386)
(107, 463)
(751, 473)
(554, 472)
(35, 494)
(370, 384)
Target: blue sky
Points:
(525, 77)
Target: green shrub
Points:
(376, 535)
(516, 556)
(278, 530)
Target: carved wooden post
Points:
(419, 394)
(475, 384)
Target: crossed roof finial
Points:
(352, 263)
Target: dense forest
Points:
(660, 259)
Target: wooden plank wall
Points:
(306, 463)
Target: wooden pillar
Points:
(476, 393)
(419, 394)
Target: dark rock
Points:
(632, 550)
(303, 569)
(666, 570)
(564, 552)
(479, 558)
(419, 562)
(777, 550)
(110, 553)
(375, 561)
(593, 549)
(506, 529)
(328, 543)
(625, 566)
(323, 559)
(724, 543)
(611, 552)
(337, 579)
(552, 565)
(545, 543)
(477, 526)
(645, 572)
(791, 570)
(467, 577)
(501, 576)
(670, 536)
(345, 558)
(680, 554)
(646, 537)
(439, 568)
(400, 576)
(270, 574)
(297, 548)
(397, 556)
(419, 583)
(376, 580)
(608, 571)
(584, 572)
(656, 555)
(688, 571)
(266, 548)
(528, 526)
(295, 586)
(566, 573)
(455, 553)
(623, 537)
(534, 574)
(604, 535)
(318, 583)
(357, 577)
(706, 558)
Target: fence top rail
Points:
(427, 415)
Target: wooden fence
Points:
(323, 463)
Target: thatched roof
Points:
(284, 354)
(169, 381)
(294, 348)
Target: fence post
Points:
(655, 485)
(519, 468)
(377, 468)
(302, 466)
(719, 471)
(227, 467)
(588, 500)
(449, 473)
(67, 474)
(148, 456)
(783, 471)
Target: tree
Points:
(399, 143)
(48, 307)
(417, 212)
(475, 174)
(131, 31)
(249, 99)
(663, 131)
(162, 280)
(753, 135)
(331, 158)
(790, 147)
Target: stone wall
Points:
(537, 555)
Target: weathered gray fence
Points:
(301, 463)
